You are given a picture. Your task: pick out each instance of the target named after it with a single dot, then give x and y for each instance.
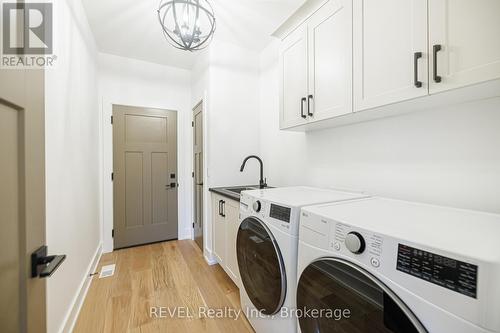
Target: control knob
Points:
(355, 242)
(257, 206)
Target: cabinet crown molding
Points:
(298, 17)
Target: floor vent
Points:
(107, 271)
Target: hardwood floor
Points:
(169, 275)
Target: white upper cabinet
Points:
(390, 51)
(293, 79)
(465, 37)
(316, 66)
(330, 60)
(344, 56)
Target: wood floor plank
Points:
(169, 275)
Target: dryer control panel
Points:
(342, 237)
(446, 272)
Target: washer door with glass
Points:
(261, 266)
(339, 285)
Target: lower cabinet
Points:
(225, 219)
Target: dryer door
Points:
(261, 266)
(339, 285)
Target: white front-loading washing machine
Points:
(392, 266)
(266, 247)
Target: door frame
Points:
(29, 102)
(207, 202)
(106, 196)
(193, 179)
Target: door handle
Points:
(302, 107)
(223, 208)
(42, 265)
(435, 49)
(199, 184)
(220, 207)
(416, 56)
(309, 98)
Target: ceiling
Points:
(130, 28)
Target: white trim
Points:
(209, 258)
(71, 316)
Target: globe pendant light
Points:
(187, 24)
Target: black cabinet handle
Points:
(309, 98)
(302, 107)
(220, 207)
(435, 49)
(223, 208)
(416, 56)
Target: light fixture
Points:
(187, 24)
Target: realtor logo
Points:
(27, 28)
(27, 34)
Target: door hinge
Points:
(111, 119)
(193, 225)
(192, 124)
(192, 174)
(112, 176)
(113, 233)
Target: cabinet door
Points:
(469, 35)
(219, 228)
(232, 225)
(330, 60)
(293, 79)
(387, 35)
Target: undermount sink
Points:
(241, 189)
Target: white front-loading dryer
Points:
(266, 248)
(392, 266)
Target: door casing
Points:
(198, 175)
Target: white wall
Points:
(227, 78)
(446, 156)
(234, 114)
(137, 83)
(72, 160)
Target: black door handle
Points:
(416, 56)
(220, 207)
(302, 107)
(42, 265)
(309, 98)
(223, 208)
(435, 49)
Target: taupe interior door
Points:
(145, 175)
(198, 173)
(22, 199)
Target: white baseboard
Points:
(72, 315)
(209, 258)
(187, 233)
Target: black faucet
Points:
(262, 182)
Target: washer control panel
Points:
(280, 213)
